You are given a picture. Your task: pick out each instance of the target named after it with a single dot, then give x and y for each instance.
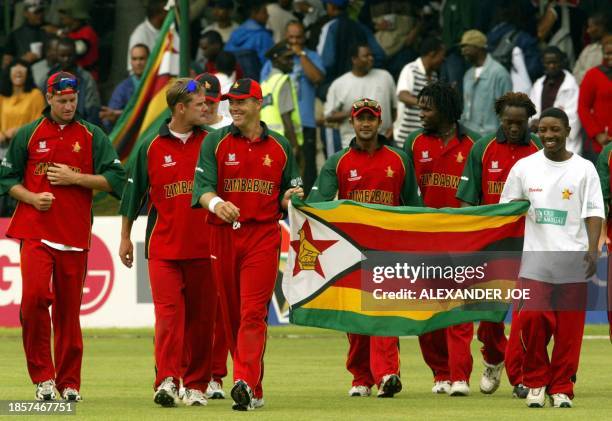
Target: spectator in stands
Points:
(211, 44)
(557, 88)
(483, 83)
(512, 31)
(147, 32)
(338, 37)
(88, 104)
(560, 24)
(251, 40)
(226, 73)
(361, 82)
(412, 79)
(599, 25)
(139, 54)
(26, 41)
(595, 100)
(74, 16)
(20, 101)
(313, 17)
(307, 73)
(40, 69)
(222, 16)
(280, 110)
(397, 27)
(280, 14)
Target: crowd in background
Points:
(334, 52)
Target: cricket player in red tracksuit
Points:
(603, 169)
(565, 220)
(245, 177)
(482, 182)
(369, 171)
(177, 246)
(438, 153)
(51, 168)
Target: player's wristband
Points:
(213, 202)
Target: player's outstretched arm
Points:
(227, 211)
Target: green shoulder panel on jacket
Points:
(205, 178)
(325, 187)
(14, 162)
(470, 185)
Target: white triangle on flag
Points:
(334, 260)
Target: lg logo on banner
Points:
(97, 288)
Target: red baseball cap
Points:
(366, 104)
(211, 85)
(62, 83)
(243, 89)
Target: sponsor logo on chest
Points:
(168, 161)
(42, 146)
(425, 157)
(353, 176)
(495, 167)
(231, 159)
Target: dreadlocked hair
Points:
(445, 99)
(514, 99)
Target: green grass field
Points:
(305, 380)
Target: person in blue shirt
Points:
(251, 37)
(139, 54)
(308, 72)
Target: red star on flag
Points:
(308, 250)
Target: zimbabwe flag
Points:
(327, 280)
(147, 107)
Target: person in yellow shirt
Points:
(20, 101)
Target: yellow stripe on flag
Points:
(350, 299)
(422, 222)
(157, 106)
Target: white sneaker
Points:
(359, 391)
(181, 394)
(257, 403)
(441, 387)
(536, 398)
(560, 400)
(70, 394)
(45, 391)
(491, 377)
(460, 388)
(214, 390)
(166, 394)
(389, 386)
(194, 397)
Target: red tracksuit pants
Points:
(515, 353)
(220, 349)
(447, 352)
(185, 300)
(565, 322)
(245, 266)
(53, 278)
(493, 340)
(372, 357)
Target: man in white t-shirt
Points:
(361, 82)
(565, 217)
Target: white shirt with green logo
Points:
(562, 195)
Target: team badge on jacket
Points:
(76, 147)
(267, 161)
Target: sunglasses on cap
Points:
(366, 103)
(65, 83)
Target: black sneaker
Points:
(520, 391)
(389, 386)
